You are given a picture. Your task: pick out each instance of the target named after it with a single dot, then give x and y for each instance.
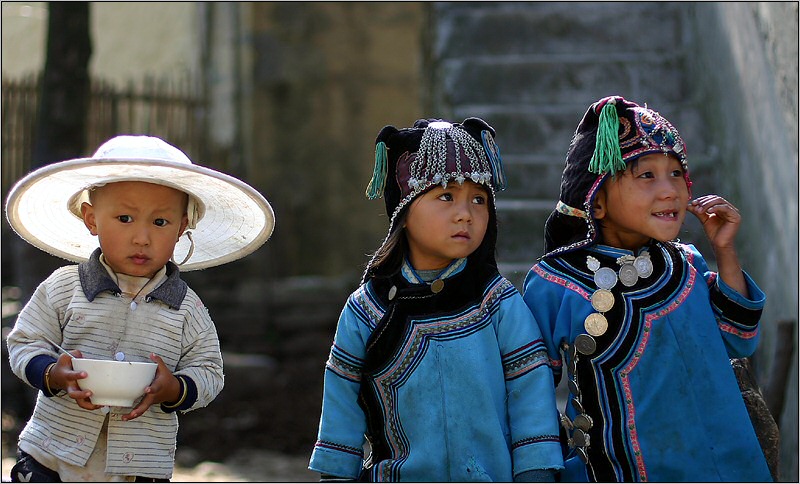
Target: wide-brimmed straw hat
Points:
(228, 219)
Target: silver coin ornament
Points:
(580, 438)
(392, 292)
(592, 263)
(643, 265)
(583, 422)
(119, 356)
(576, 404)
(605, 278)
(573, 388)
(595, 324)
(585, 344)
(437, 286)
(628, 275)
(602, 300)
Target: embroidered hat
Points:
(410, 161)
(612, 133)
(228, 219)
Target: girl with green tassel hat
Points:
(636, 322)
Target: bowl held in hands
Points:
(114, 383)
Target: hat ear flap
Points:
(379, 172)
(481, 130)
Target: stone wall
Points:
(746, 63)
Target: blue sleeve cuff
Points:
(188, 396)
(34, 372)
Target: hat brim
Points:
(236, 222)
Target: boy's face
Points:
(444, 224)
(137, 224)
(646, 201)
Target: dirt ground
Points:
(250, 465)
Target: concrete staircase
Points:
(531, 69)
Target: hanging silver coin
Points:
(605, 278)
(580, 438)
(643, 265)
(119, 356)
(592, 263)
(595, 324)
(628, 275)
(392, 292)
(576, 404)
(573, 388)
(583, 422)
(437, 286)
(602, 300)
(133, 305)
(585, 344)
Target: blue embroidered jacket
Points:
(462, 393)
(659, 388)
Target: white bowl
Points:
(114, 383)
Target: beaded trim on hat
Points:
(429, 166)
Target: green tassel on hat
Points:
(378, 181)
(607, 157)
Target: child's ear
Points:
(184, 224)
(599, 205)
(87, 211)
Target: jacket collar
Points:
(95, 279)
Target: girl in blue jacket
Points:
(437, 363)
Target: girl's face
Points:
(137, 225)
(646, 201)
(445, 224)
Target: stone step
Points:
(503, 28)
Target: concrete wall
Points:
(327, 76)
(747, 66)
(130, 40)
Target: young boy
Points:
(125, 300)
(646, 329)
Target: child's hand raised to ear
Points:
(164, 388)
(720, 220)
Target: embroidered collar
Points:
(413, 277)
(95, 279)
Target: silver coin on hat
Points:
(595, 324)
(628, 275)
(643, 265)
(605, 278)
(602, 300)
(585, 344)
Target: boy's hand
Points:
(164, 388)
(64, 377)
(720, 220)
